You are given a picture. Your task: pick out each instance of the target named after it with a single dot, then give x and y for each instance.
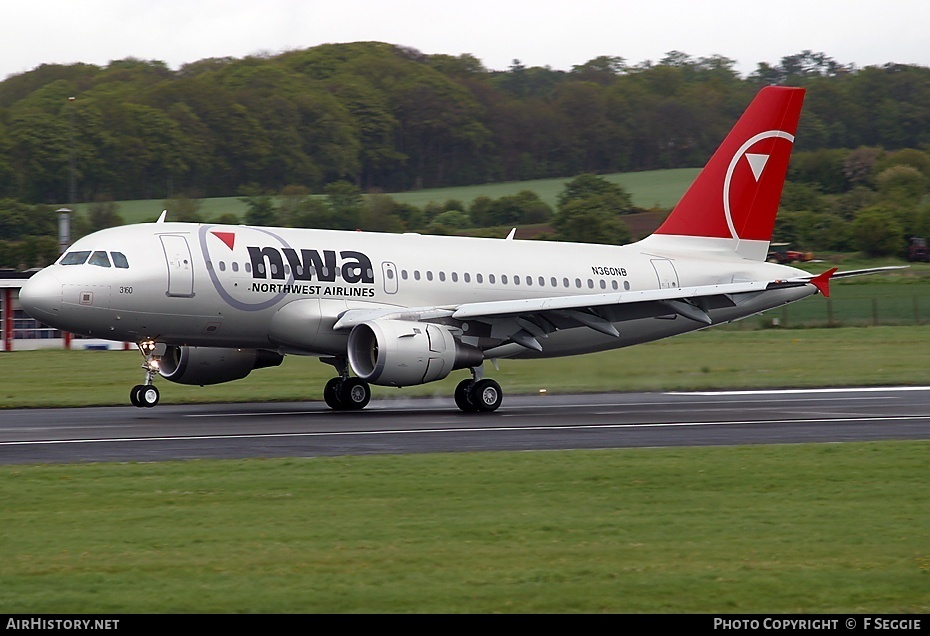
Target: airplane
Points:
(209, 303)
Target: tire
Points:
(148, 396)
(462, 399)
(486, 395)
(134, 395)
(354, 394)
(331, 394)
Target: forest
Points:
(342, 120)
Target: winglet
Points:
(822, 281)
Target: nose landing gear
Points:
(147, 395)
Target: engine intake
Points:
(211, 365)
(404, 353)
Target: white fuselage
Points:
(225, 286)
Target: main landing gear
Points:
(478, 395)
(146, 395)
(344, 393)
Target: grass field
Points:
(661, 188)
(774, 529)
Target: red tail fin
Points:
(736, 195)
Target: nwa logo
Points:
(355, 267)
(279, 270)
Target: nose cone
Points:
(41, 297)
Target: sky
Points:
(559, 34)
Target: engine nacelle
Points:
(403, 353)
(211, 365)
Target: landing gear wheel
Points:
(147, 395)
(462, 399)
(332, 394)
(134, 395)
(354, 394)
(486, 395)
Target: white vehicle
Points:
(210, 303)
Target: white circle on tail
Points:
(757, 165)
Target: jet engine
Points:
(210, 365)
(403, 353)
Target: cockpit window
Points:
(119, 260)
(75, 258)
(100, 259)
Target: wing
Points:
(524, 321)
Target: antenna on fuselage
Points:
(161, 219)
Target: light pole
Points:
(72, 189)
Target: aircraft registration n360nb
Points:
(210, 303)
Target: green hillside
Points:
(653, 188)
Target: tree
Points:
(859, 163)
(260, 210)
(103, 213)
(345, 204)
(877, 231)
(902, 183)
(513, 209)
(586, 221)
(184, 209)
(611, 197)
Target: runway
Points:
(523, 423)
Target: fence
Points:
(851, 305)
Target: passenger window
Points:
(100, 259)
(119, 260)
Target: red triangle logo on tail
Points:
(229, 238)
(736, 195)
